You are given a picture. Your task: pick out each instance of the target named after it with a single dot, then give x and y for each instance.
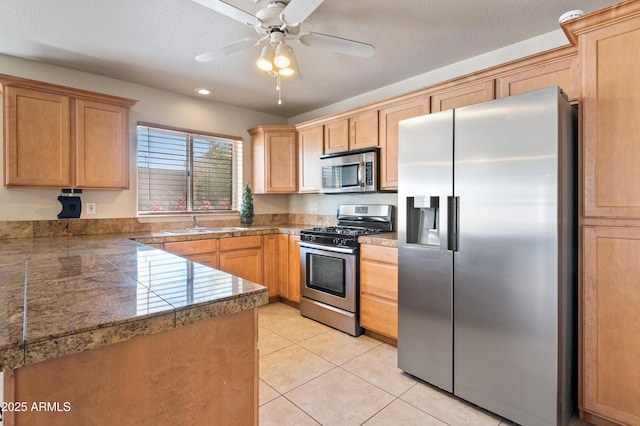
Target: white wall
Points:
(327, 203)
(155, 106)
(500, 56)
(158, 106)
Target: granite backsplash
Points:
(75, 227)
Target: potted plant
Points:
(246, 208)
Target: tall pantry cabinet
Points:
(609, 52)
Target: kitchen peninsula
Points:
(106, 330)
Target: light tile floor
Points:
(311, 374)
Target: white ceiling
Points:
(154, 42)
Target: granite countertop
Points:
(385, 239)
(63, 295)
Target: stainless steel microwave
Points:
(353, 171)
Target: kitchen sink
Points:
(205, 230)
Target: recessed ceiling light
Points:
(203, 91)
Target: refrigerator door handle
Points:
(453, 222)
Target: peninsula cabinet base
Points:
(200, 374)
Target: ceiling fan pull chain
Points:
(279, 89)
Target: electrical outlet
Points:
(91, 208)
(313, 207)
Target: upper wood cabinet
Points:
(336, 136)
(562, 72)
(356, 131)
(389, 117)
(100, 164)
(37, 138)
(459, 96)
(310, 148)
(57, 136)
(363, 129)
(275, 160)
(610, 124)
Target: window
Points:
(182, 171)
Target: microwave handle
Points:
(361, 176)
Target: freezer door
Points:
(425, 273)
(506, 266)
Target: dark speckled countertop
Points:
(61, 295)
(69, 294)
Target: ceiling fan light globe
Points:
(264, 65)
(265, 61)
(283, 57)
(286, 72)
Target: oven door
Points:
(329, 275)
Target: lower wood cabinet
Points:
(293, 285)
(201, 251)
(379, 289)
(275, 251)
(242, 257)
(610, 323)
(272, 260)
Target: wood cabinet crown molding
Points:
(9, 80)
(604, 17)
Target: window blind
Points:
(180, 171)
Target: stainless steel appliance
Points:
(353, 171)
(330, 267)
(487, 249)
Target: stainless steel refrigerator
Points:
(487, 254)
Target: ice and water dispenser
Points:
(423, 219)
(426, 227)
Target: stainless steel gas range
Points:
(330, 266)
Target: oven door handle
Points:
(345, 250)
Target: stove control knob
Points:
(336, 241)
(343, 242)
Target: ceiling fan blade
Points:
(229, 10)
(337, 44)
(299, 10)
(226, 50)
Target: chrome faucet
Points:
(195, 221)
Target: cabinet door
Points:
(246, 263)
(363, 130)
(336, 136)
(281, 162)
(379, 289)
(310, 148)
(37, 138)
(275, 249)
(389, 118)
(102, 145)
(293, 292)
(563, 73)
(457, 97)
(611, 129)
(610, 305)
(209, 259)
(182, 248)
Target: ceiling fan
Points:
(276, 24)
